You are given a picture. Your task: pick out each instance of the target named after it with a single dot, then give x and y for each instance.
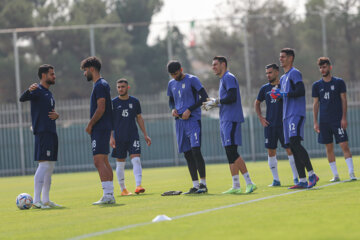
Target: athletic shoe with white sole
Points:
(202, 188)
(275, 183)
(39, 205)
(107, 199)
(192, 190)
(52, 204)
(335, 179)
(250, 188)
(352, 177)
(125, 192)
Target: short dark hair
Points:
(44, 69)
(221, 59)
(323, 60)
(289, 52)
(91, 62)
(173, 66)
(273, 66)
(122, 80)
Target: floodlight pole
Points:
(323, 26)
(248, 87)
(19, 108)
(92, 41)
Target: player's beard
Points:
(50, 82)
(180, 77)
(89, 76)
(124, 94)
(326, 74)
(272, 80)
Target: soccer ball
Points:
(24, 201)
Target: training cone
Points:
(160, 218)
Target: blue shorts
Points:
(123, 147)
(188, 134)
(230, 133)
(100, 141)
(273, 135)
(46, 146)
(293, 126)
(328, 130)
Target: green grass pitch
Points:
(328, 212)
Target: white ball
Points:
(24, 201)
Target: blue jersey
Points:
(292, 106)
(185, 94)
(101, 89)
(329, 99)
(274, 108)
(230, 112)
(42, 102)
(124, 118)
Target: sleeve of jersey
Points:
(342, 86)
(138, 107)
(169, 93)
(27, 95)
(296, 77)
(230, 82)
(261, 95)
(195, 83)
(100, 91)
(314, 92)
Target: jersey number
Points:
(136, 144)
(341, 131)
(125, 113)
(292, 127)
(327, 95)
(273, 100)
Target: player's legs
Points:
(120, 174)
(292, 164)
(348, 158)
(45, 198)
(331, 158)
(137, 170)
(192, 168)
(271, 139)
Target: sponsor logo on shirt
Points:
(118, 107)
(48, 153)
(332, 87)
(130, 105)
(93, 144)
(183, 85)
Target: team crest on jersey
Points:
(332, 87)
(130, 105)
(183, 85)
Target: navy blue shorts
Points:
(328, 130)
(122, 148)
(230, 133)
(273, 135)
(188, 134)
(100, 141)
(46, 146)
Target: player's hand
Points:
(174, 113)
(343, 123)
(53, 115)
(33, 87)
(148, 140)
(88, 129)
(264, 122)
(277, 94)
(316, 127)
(186, 114)
(112, 142)
(210, 103)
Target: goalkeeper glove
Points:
(276, 94)
(210, 103)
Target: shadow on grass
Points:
(111, 205)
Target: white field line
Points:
(89, 235)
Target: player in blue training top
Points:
(100, 126)
(125, 136)
(186, 94)
(272, 123)
(43, 118)
(231, 117)
(329, 94)
(293, 94)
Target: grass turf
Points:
(331, 212)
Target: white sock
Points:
(203, 181)
(108, 187)
(120, 173)
(196, 183)
(303, 179)
(334, 169)
(236, 181)
(47, 181)
(311, 173)
(272, 161)
(350, 165)
(247, 178)
(137, 170)
(293, 166)
(39, 181)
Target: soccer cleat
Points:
(107, 199)
(300, 185)
(352, 177)
(192, 190)
(125, 192)
(275, 183)
(202, 188)
(39, 205)
(139, 189)
(335, 179)
(52, 204)
(296, 181)
(250, 188)
(233, 191)
(313, 179)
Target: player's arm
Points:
(298, 90)
(203, 96)
(344, 110)
(141, 123)
(316, 105)
(100, 110)
(257, 107)
(26, 96)
(112, 140)
(53, 115)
